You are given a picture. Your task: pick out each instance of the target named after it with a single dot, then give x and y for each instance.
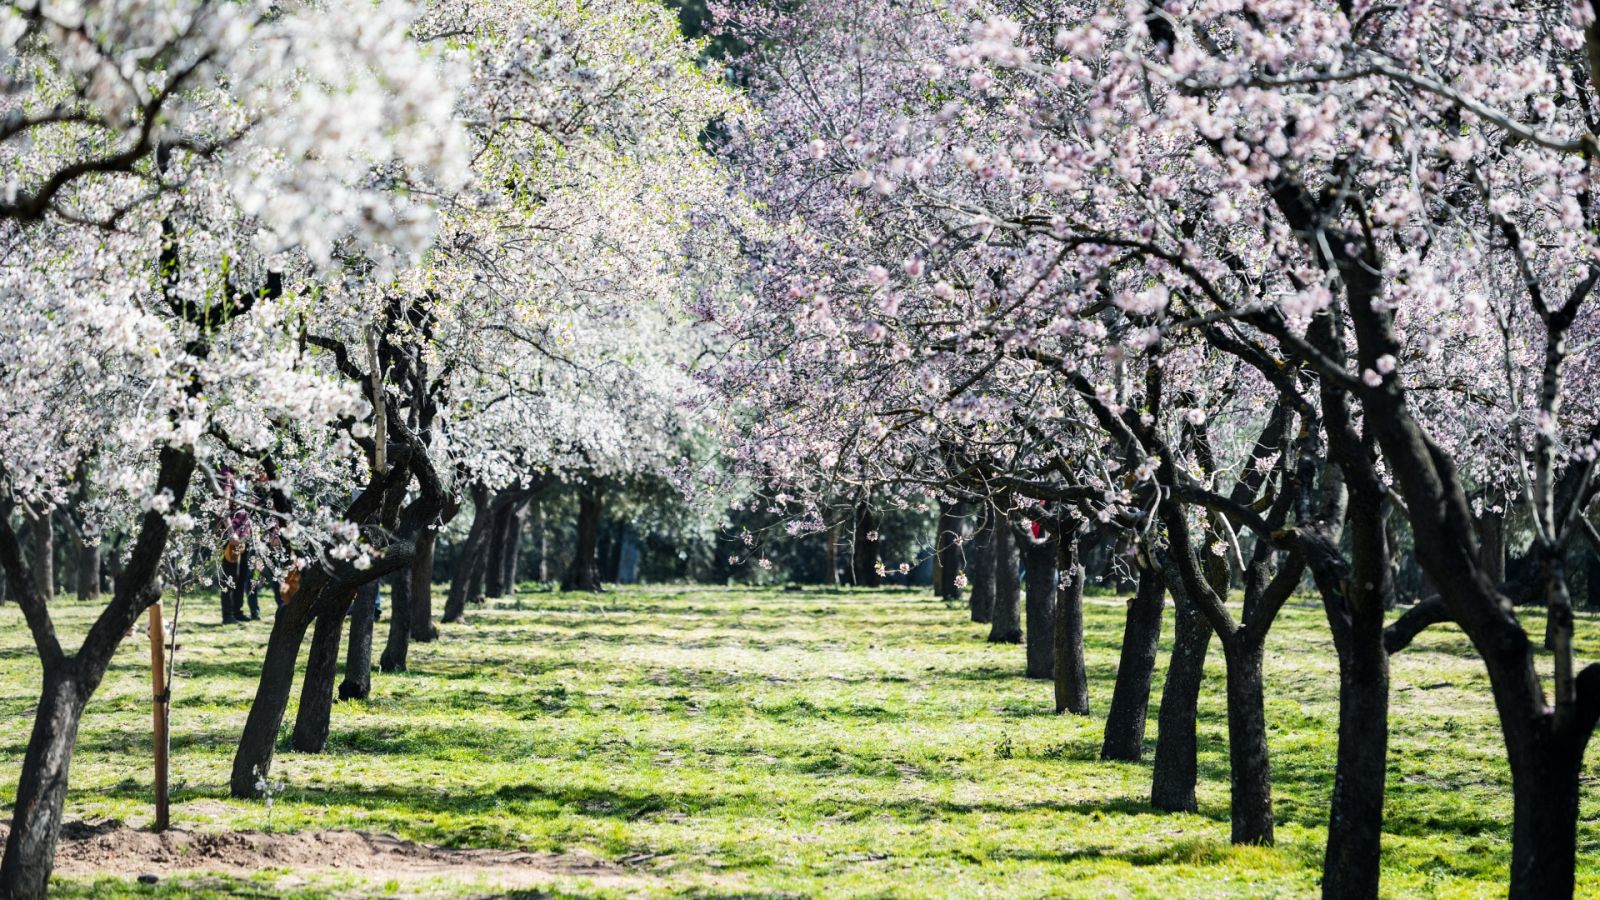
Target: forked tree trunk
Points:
(316, 689)
(1039, 557)
(1173, 777)
(252, 761)
(423, 630)
(948, 549)
(42, 789)
(1005, 618)
(1250, 772)
(357, 683)
(584, 573)
(1351, 862)
(980, 570)
(1130, 697)
(1071, 674)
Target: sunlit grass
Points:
(738, 742)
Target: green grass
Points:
(739, 742)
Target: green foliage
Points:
(736, 742)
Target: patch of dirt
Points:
(112, 848)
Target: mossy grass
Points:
(771, 742)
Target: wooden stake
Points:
(160, 697)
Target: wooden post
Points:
(159, 705)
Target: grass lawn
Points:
(737, 742)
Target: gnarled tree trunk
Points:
(584, 573)
(423, 630)
(316, 690)
(980, 570)
(947, 547)
(1173, 777)
(1130, 697)
(357, 683)
(42, 790)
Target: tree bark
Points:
(1039, 558)
(42, 555)
(511, 543)
(253, 758)
(398, 645)
(1351, 862)
(316, 690)
(584, 573)
(469, 557)
(88, 574)
(423, 629)
(1249, 771)
(864, 548)
(948, 549)
(1130, 697)
(494, 573)
(1173, 777)
(42, 789)
(357, 684)
(1071, 675)
(980, 570)
(1005, 617)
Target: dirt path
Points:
(112, 848)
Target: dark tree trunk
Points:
(398, 645)
(1492, 542)
(1039, 558)
(88, 571)
(1544, 789)
(1071, 675)
(42, 555)
(948, 549)
(1250, 769)
(316, 690)
(357, 684)
(541, 541)
(1130, 698)
(468, 558)
(252, 761)
(42, 789)
(494, 574)
(980, 570)
(584, 573)
(511, 544)
(1173, 779)
(864, 548)
(831, 579)
(1355, 815)
(423, 630)
(1006, 616)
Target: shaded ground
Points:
(287, 860)
(714, 742)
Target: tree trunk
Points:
(947, 548)
(1544, 789)
(88, 575)
(252, 761)
(423, 630)
(316, 690)
(1071, 675)
(42, 789)
(398, 645)
(42, 555)
(584, 573)
(1173, 779)
(980, 570)
(1352, 858)
(1130, 697)
(511, 544)
(831, 579)
(1491, 528)
(541, 541)
(1040, 561)
(1250, 771)
(1005, 617)
(357, 684)
(469, 557)
(864, 548)
(494, 573)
